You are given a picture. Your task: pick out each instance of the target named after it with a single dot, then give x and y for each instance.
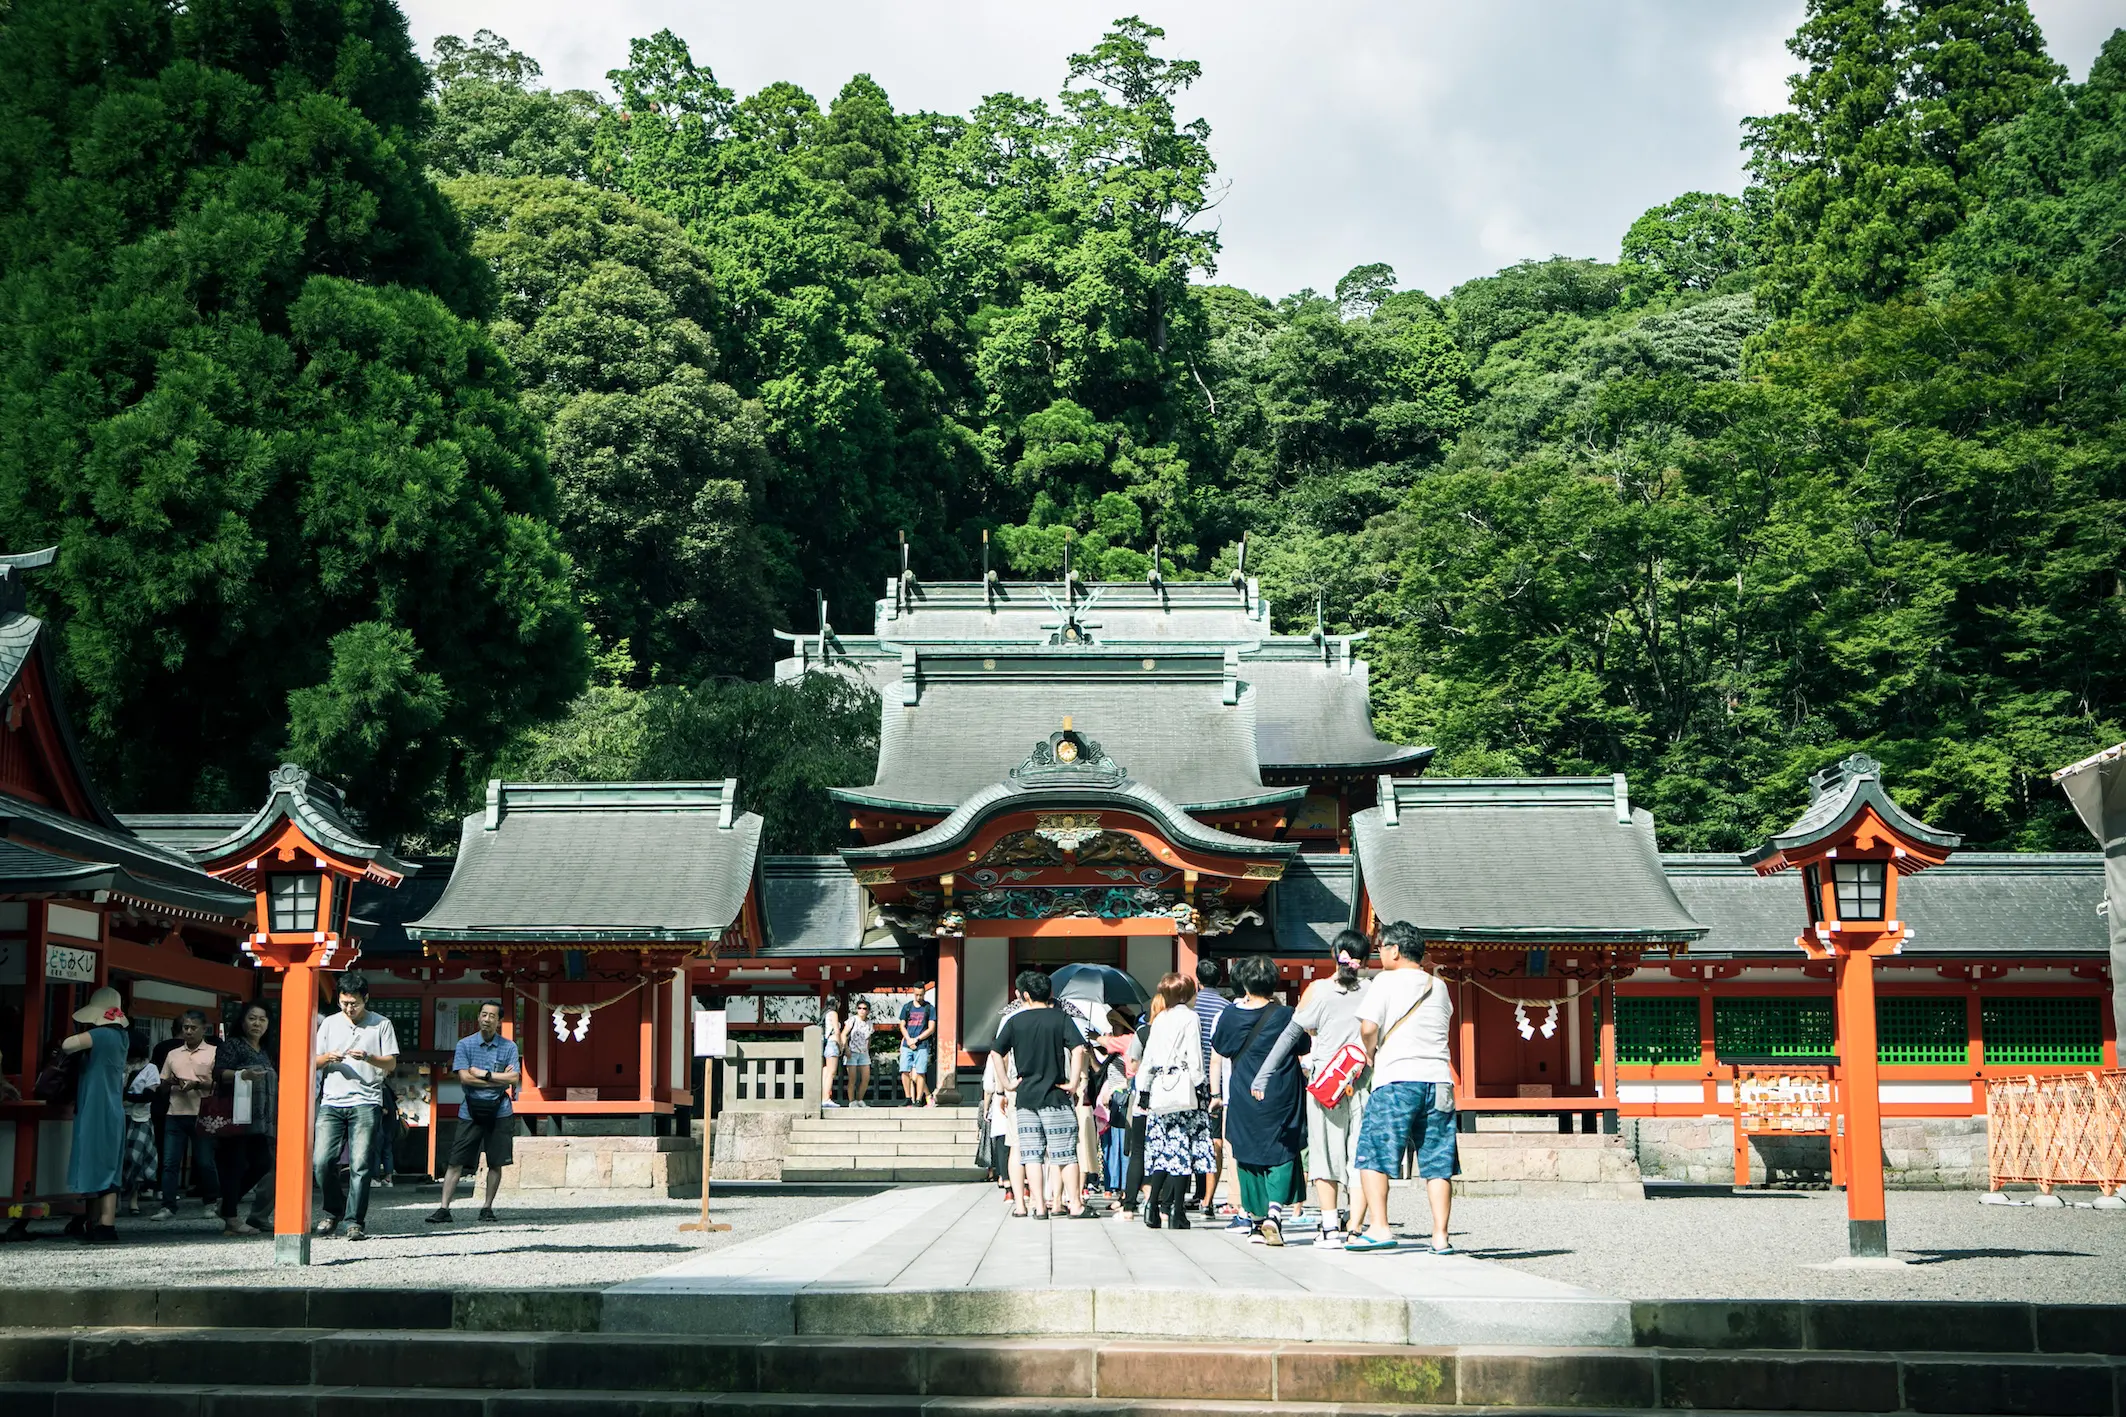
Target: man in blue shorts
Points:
(1048, 1053)
(1404, 1019)
(919, 1026)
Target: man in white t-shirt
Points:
(1404, 1021)
(356, 1050)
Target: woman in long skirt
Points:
(1265, 1125)
(95, 1167)
(1177, 1127)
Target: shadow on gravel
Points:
(1945, 1256)
(1506, 1256)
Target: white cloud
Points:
(1443, 136)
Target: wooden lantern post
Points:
(301, 858)
(1852, 847)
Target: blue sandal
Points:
(1364, 1243)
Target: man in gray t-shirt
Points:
(356, 1050)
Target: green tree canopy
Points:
(491, 120)
(607, 312)
(787, 744)
(298, 505)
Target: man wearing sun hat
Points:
(96, 1162)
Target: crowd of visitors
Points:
(1333, 1094)
(199, 1113)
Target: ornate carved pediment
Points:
(1067, 831)
(1068, 759)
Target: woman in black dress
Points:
(1264, 1129)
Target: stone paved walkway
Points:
(952, 1260)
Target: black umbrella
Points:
(1101, 984)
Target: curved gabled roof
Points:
(317, 809)
(598, 862)
(1836, 796)
(1128, 795)
(1518, 861)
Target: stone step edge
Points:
(39, 1399)
(444, 1367)
(1827, 1326)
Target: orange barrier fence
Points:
(2064, 1130)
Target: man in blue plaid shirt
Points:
(487, 1068)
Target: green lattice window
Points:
(405, 1016)
(1929, 1030)
(1772, 1028)
(2041, 1030)
(1657, 1030)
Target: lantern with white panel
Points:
(1852, 847)
(300, 856)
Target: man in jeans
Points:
(188, 1077)
(356, 1051)
(1404, 1019)
(1048, 1053)
(486, 1065)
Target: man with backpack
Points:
(1405, 1017)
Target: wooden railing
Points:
(772, 1077)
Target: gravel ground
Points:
(544, 1240)
(1773, 1244)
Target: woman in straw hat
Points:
(94, 1167)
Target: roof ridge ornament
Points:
(1068, 759)
(1851, 769)
(12, 590)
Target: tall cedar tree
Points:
(797, 212)
(606, 313)
(1870, 165)
(242, 386)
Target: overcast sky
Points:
(1445, 137)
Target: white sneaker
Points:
(164, 1214)
(834, 1105)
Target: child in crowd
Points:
(997, 1086)
(143, 1158)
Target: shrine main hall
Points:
(1136, 774)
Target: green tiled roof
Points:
(1203, 612)
(598, 862)
(1313, 901)
(1838, 794)
(1311, 710)
(27, 870)
(1978, 903)
(1180, 723)
(1510, 860)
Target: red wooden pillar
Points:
(1608, 1064)
(1465, 1090)
(645, 1092)
(34, 1043)
(951, 951)
(1185, 953)
(1866, 1219)
(291, 1144)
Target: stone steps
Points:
(884, 1144)
(147, 1372)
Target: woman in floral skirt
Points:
(1177, 1133)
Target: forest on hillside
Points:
(415, 419)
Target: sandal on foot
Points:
(1361, 1244)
